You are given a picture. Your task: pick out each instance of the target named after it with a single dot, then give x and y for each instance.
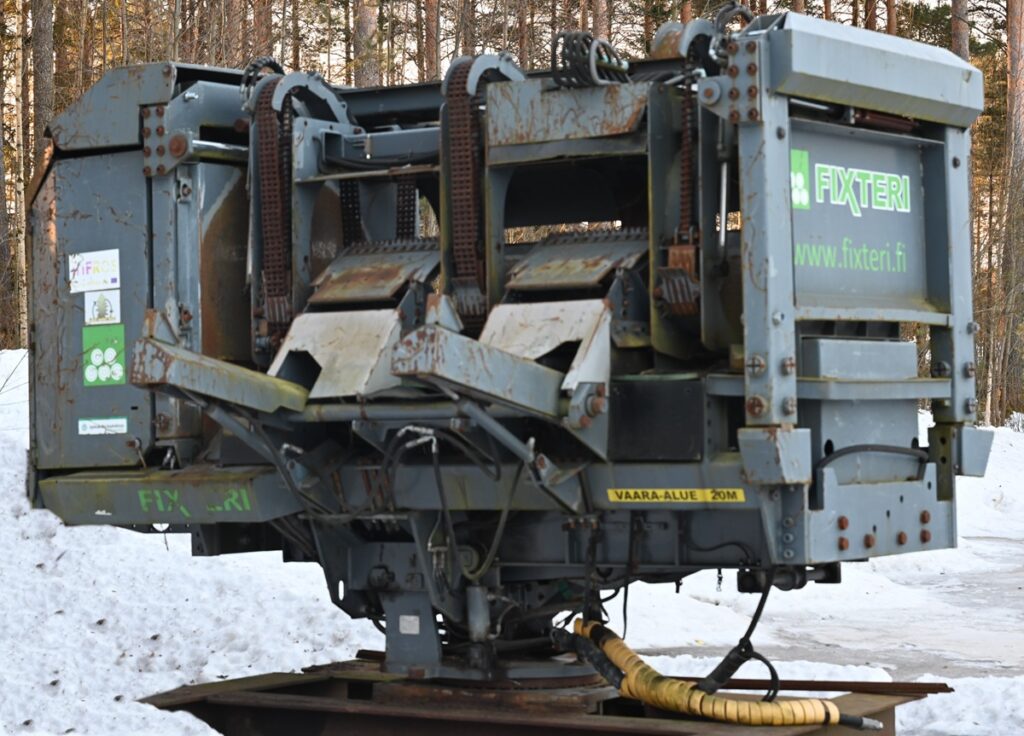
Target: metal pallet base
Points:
(355, 697)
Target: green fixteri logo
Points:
(841, 186)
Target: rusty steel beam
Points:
(355, 697)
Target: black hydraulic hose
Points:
(743, 652)
(913, 452)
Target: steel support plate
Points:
(200, 494)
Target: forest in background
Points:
(51, 51)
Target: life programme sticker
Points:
(105, 425)
(94, 270)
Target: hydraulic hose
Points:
(642, 682)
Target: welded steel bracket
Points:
(156, 364)
(472, 368)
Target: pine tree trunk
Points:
(263, 27)
(855, 13)
(366, 66)
(961, 31)
(295, 36)
(799, 6)
(601, 23)
(686, 11)
(22, 175)
(468, 24)
(828, 10)
(42, 69)
(870, 14)
(890, 17)
(522, 33)
(431, 51)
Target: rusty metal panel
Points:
(156, 363)
(535, 111)
(90, 290)
(577, 265)
(534, 330)
(352, 351)
(373, 277)
(200, 494)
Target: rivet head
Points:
(901, 538)
(926, 536)
(178, 145)
(756, 365)
(146, 171)
(732, 48)
(734, 94)
(788, 554)
(733, 71)
(734, 116)
(789, 366)
(145, 112)
(789, 405)
(843, 522)
(751, 68)
(751, 47)
(755, 406)
(956, 162)
(159, 150)
(753, 114)
(159, 130)
(161, 169)
(926, 516)
(869, 540)
(844, 544)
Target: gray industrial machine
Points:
(656, 329)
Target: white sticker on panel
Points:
(103, 307)
(409, 625)
(94, 270)
(107, 425)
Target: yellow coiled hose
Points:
(642, 682)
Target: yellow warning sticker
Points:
(676, 495)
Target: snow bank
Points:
(95, 617)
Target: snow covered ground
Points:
(93, 618)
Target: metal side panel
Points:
(811, 58)
(91, 284)
(858, 213)
(352, 351)
(200, 494)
